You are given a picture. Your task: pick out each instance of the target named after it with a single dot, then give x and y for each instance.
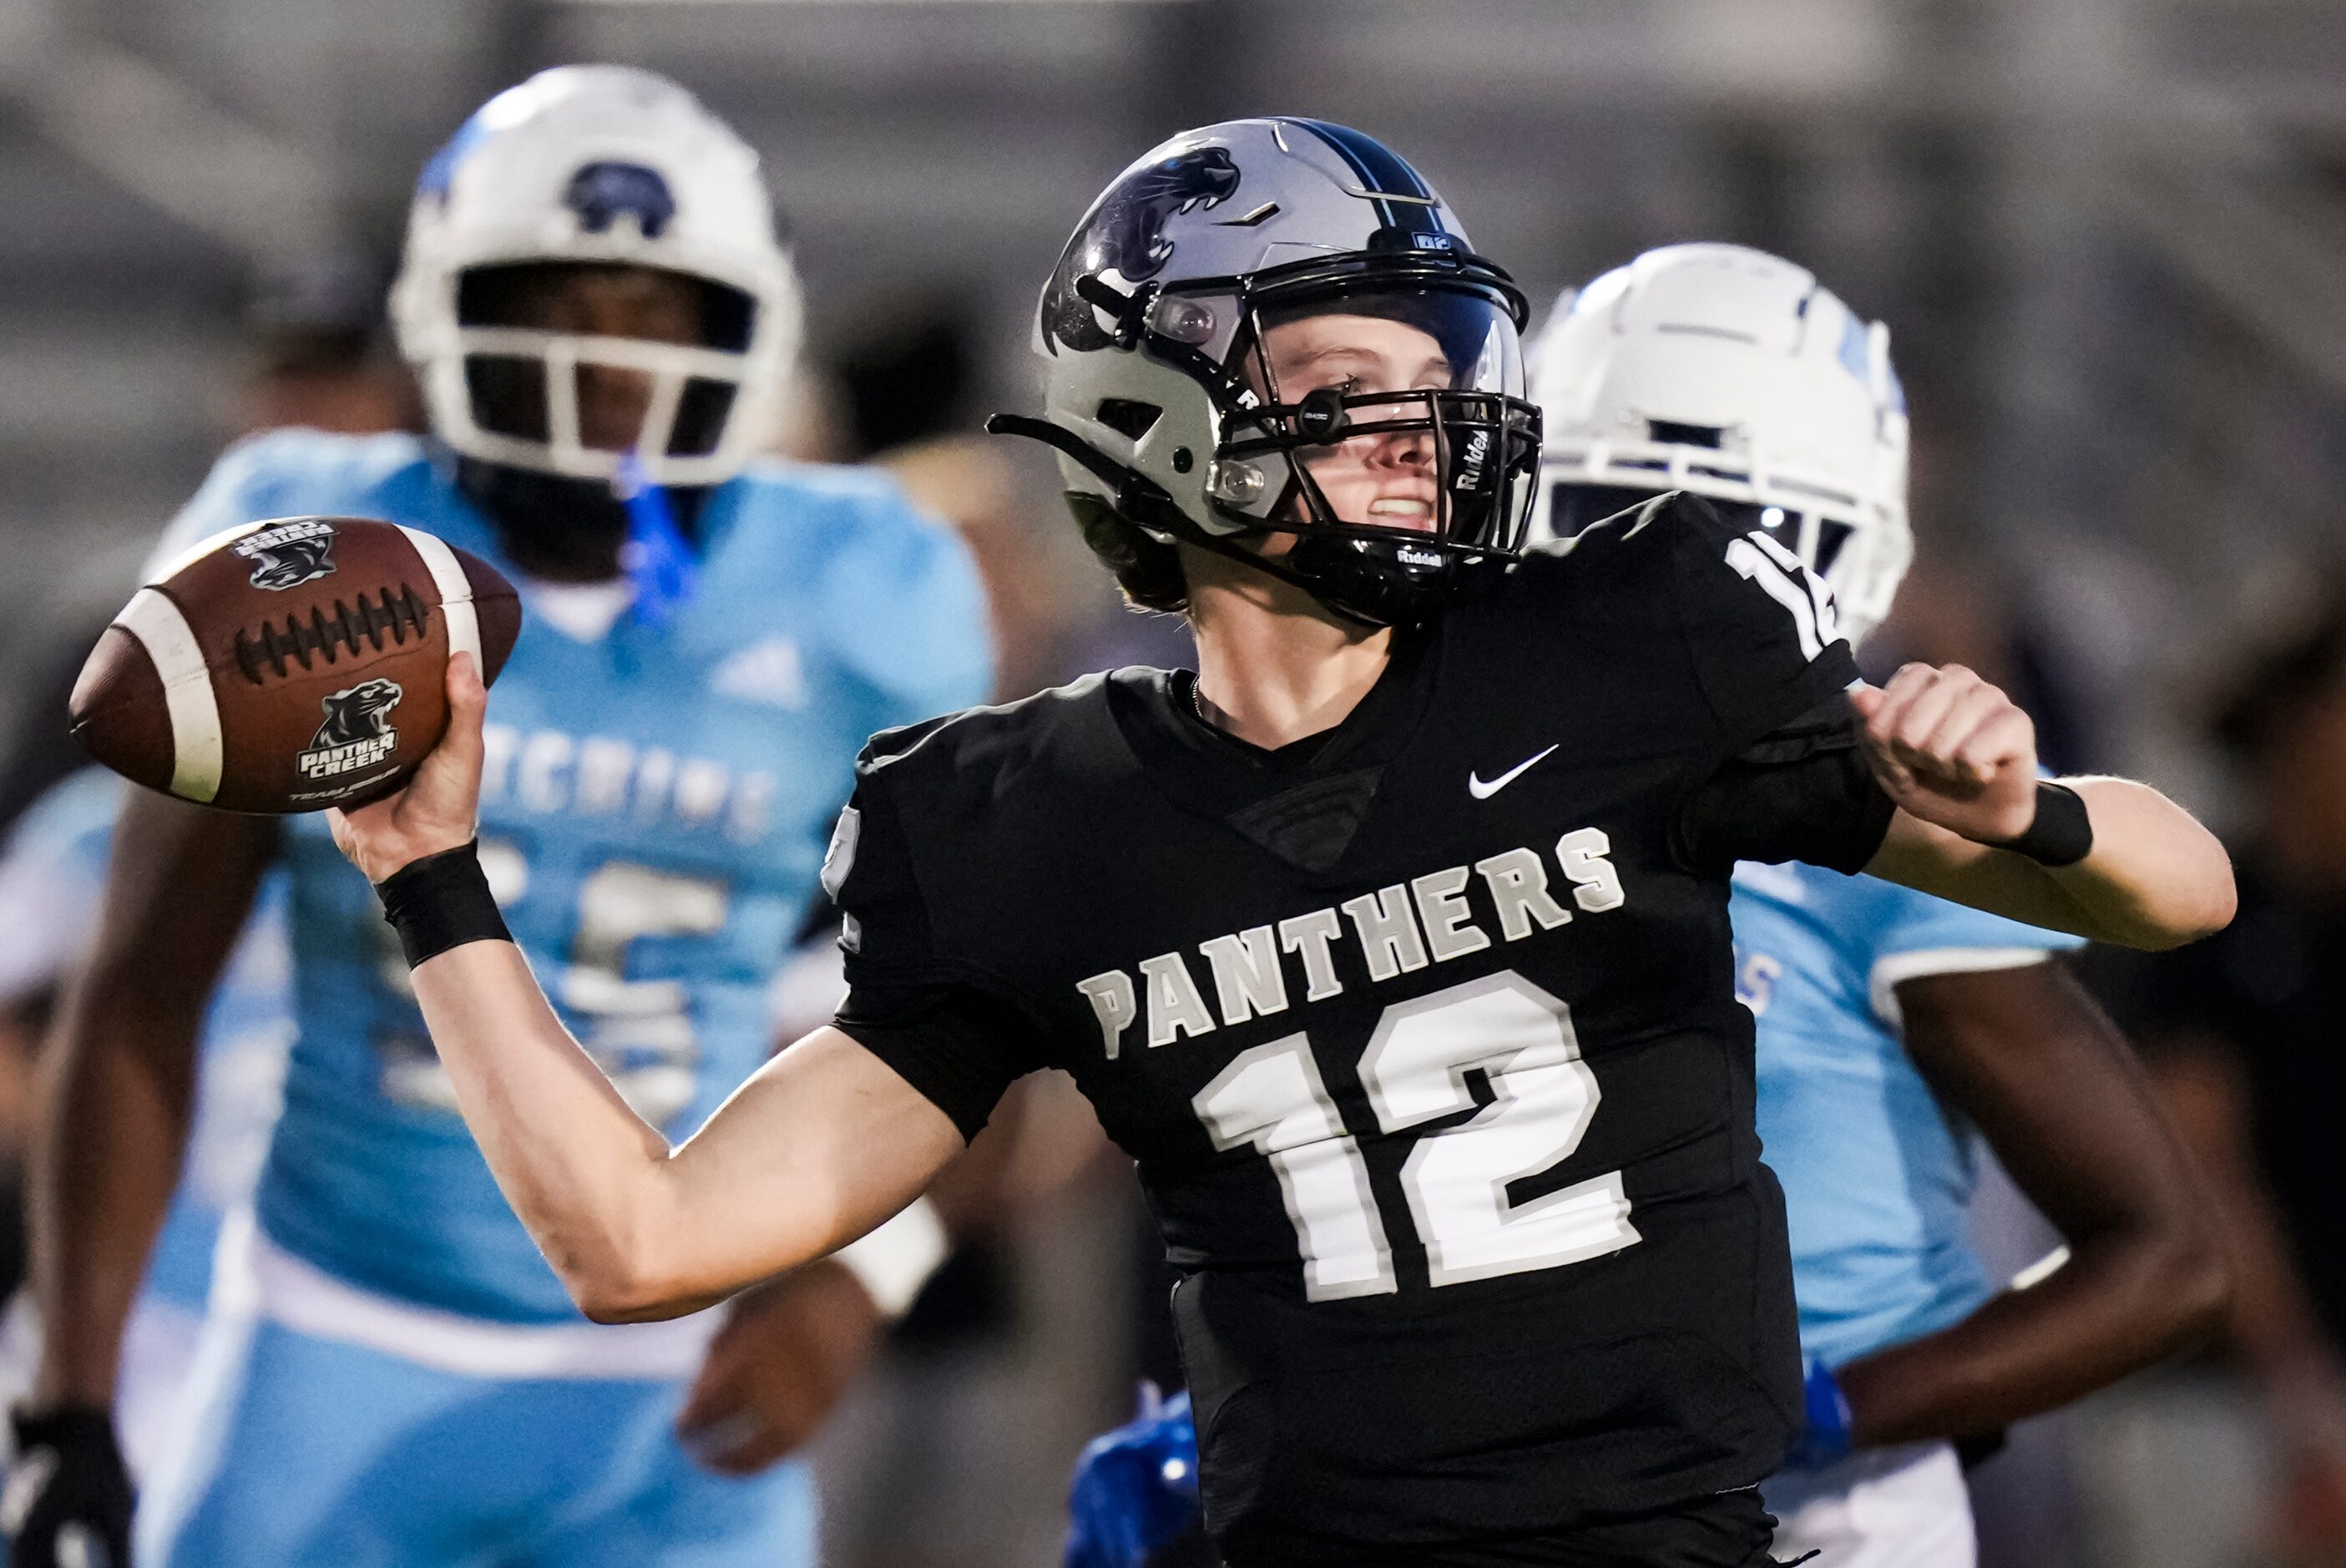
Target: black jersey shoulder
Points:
(1643, 545)
(954, 819)
(1065, 734)
(1671, 599)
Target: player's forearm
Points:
(581, 1169)
(112, 1125)
(2154, 878)
(2123, 1302)
(819, 1145)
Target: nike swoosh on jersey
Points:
(1481, 792)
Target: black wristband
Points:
(440, 902)
(81, 1428)
(2061, 833)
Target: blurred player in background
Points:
(1893, 1027)
(52, 881)
(1891, 1023)
(2243, 1039)
(600, 314)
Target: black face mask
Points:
(561, 529)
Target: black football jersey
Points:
(1422, 1033)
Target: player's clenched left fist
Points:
(1953, 749)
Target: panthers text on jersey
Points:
(1422, 1032)
(653, 816)
(1878, 1176)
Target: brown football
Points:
(290, 665)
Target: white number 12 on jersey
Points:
(1415, 1070)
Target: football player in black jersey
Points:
(1392, 943)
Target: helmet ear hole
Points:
(1128, 418)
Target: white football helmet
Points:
(1164, 407)
(1734, 374)
(598, 164)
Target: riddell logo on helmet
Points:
(357, 733)
(1470, 463)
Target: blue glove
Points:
(1135, 1488)
(1824, 1436)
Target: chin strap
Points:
(1144, 502)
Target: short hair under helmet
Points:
(1167, 407)
(1735, 374)
(596, 164)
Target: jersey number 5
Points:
(1416, 1071)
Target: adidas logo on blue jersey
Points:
(768, 672)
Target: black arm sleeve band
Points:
(1801, 792)
(2061, 831)
(440, 902)
(958, 1047)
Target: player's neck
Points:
(1274, 665)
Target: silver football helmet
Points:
(1275, 327)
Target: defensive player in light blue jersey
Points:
(52, 877)
(600, 313)
(1893, 1028)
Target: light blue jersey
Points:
(60, 846)
(654, 815)
(1877, 1173)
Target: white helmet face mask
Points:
(1731, 374)
(1275, 327)
(595, 166)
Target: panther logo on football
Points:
(357, 733)
(288, 554)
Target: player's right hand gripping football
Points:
(68, 1501)
(440, 808)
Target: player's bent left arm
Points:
(1959, 758)
(819, 1145)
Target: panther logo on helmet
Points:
(601, 193)
(288, 555)
(1125, 233)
